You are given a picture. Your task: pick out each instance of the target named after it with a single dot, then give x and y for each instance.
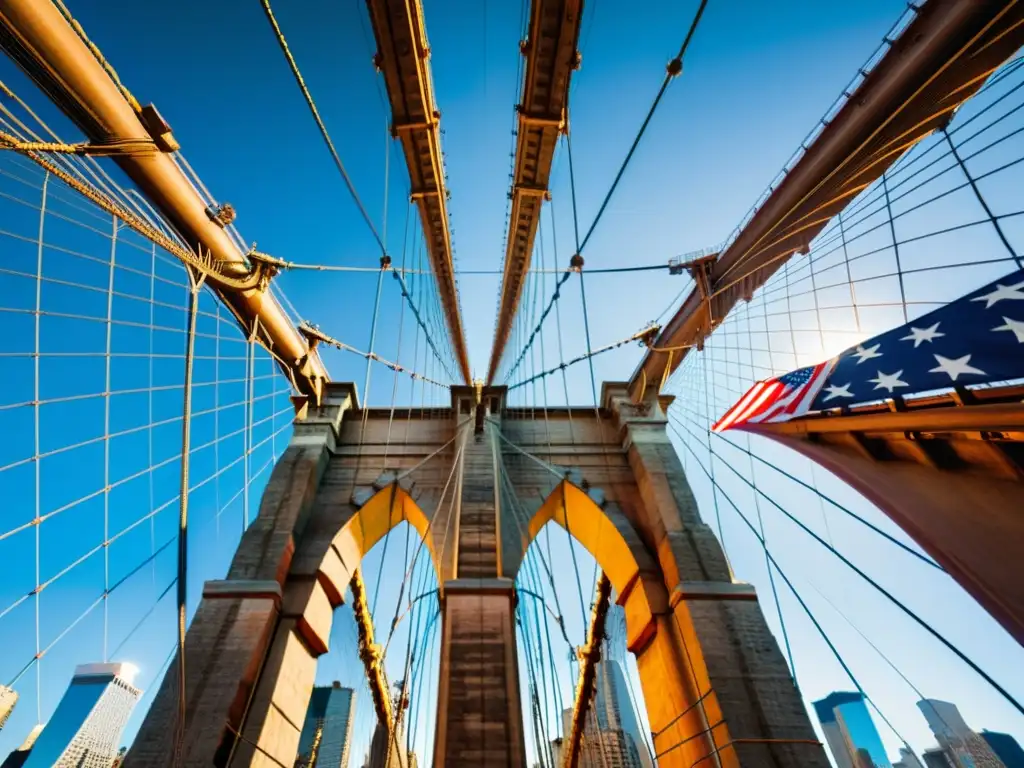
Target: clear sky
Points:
(756, 79)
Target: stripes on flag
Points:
(778, 399)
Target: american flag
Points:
(778, 399)
(976, 339)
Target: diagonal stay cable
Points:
(370, 356)
(533, 335)
(319, 121)
(674, 68)
(837, 505)
(878, 587)
(407, 294)
(638, 336)
(773, 563)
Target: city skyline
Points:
(854, 742)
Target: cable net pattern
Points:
(93, 354)
(945, 219)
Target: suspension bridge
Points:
(246, 500)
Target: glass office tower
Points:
(850, 731)
(327, 730)
(963, 747)
(86, 727)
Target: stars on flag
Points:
(837, 391)
(889, 381)
(921, 335)
(954, 368)
(862, 353)
(1016, 326)
(1002, 292)
(971, 348)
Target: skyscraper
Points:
(614, 712)
(963, 747)
(907, 760)
(327, 730)
(8, 698)
(1006, 748)
(86, 727)
(936, 758)
(848, 727)
(611, 734)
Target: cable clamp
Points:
(576, 263)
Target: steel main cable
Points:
(293, 65)
(674, 68)
(370, 356)
(750, 252)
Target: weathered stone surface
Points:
(713, 677)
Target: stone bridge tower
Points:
(478, 481)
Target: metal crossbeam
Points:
(551, 56)
(941, 59)
(35, 35)
(403, 58)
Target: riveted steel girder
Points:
(551, 56)
(403, 57)
(40, 40)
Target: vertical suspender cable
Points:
(196, 284)
(895, 248)
(106, 441)
(37, 438)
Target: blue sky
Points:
(756, 79)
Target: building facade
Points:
(611, 736)
(848, 728)
(1006, 748)
(614, 710)
(963, 747)
(85, 729)
(8, 698)
(327, 731)
(907, 760)
(936, 757)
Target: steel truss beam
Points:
(551, 56)
(37, 37)
(942, 58)
(403, 57)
